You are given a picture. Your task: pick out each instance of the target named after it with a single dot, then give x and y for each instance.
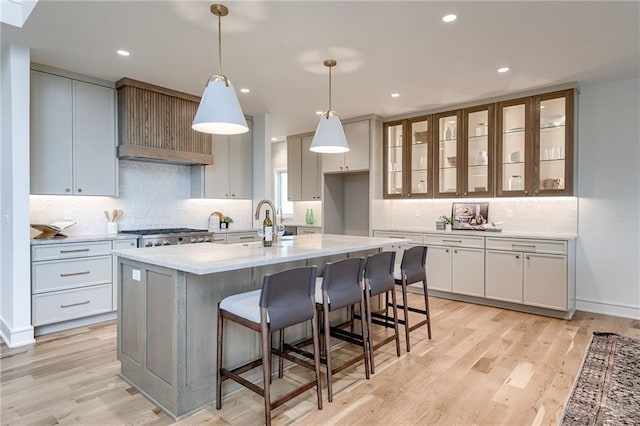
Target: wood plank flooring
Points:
(484, 366)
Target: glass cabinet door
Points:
(420, 179)
(393, 159)
(478, 157)
(513, 140)
(447, 156)
(554, 140)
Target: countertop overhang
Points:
(202, 259)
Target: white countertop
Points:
(208, 258)
(488, 234)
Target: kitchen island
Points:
(167, 317)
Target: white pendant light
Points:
(219, 111)
(329, 137)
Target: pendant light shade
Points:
(219, 111)
(329, 137)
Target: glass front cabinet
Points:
(407, 158)
(447, 158)
(535, 145)
(515, 148)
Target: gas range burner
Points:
(163, 231)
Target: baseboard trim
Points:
(615, 309)
(19, 337)
(80, 322)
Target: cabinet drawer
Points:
(125, 244)
(70, 250)
(414, 238)
(245, 237)
(219, 238)
(453, 240)
(526, 245)
(70, 304)
(65, 274)
(309, 230)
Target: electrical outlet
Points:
(135, 275)
(67, 215)
(509, 214)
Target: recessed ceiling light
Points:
(319, 112)
(245, 90)
(449, 18)
(123, 52)
(503, 69)
(395, 95)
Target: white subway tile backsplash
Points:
(152, 195)
(544, 215)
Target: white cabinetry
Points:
(73, 144)
(357, 158)
(455, 264)
(532, 272)
(70, 280)
(303, 169)
(230, 175)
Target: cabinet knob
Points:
(233, 195)
(226, 195)
(346, 167)
(79, 189)
(408, 195)
(340, 167)
(464, 193)
(526, 192)
(455, 251)
(67, 190)
(517, 256)
(447, 251)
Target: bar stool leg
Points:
(266, 371)
(405, 305)
(367, 302)
(316, 356)
(219, 362)
(280, 359)
(327, 346)
(395, 321)
(426, 305)
(365, 339)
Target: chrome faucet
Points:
(273, 213)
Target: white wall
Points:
(15, 280)
(609, 199)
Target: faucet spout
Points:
(273, 213)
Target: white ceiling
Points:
(276, 49)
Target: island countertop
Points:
(204, 258)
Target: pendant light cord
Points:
(219, 45)
(329, 92)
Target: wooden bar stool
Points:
(286, 298)
(378, 279)
(412, 270)
(340, 287)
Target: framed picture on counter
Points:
(473, 216)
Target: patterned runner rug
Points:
(607, 390)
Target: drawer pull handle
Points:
(452, 241)
(71, 274)
(218, 239)
(246, 238)
(86, 302)
(524, 245)
(74, 250)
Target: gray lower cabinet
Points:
(71, 281)
(528, 274)
(73, 137)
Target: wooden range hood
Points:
(154, 124)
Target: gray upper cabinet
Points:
(303, 167)
(230, 175)
(73, 142)
(357, 158)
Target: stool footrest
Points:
(410, 308)
(230, 374)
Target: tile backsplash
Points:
(152, 195)
(538, 215)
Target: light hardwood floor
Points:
(483, 366)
